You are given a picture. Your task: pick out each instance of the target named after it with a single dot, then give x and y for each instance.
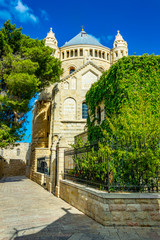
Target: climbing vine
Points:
(130, 90)
(127, 155)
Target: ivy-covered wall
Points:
(130, 90)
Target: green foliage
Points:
(89, 164)
(26, 68)
(118, 164)
(130, 90)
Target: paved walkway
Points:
(29, 212)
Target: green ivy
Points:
(130, 90)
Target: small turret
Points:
(51, 41)
(120, 48)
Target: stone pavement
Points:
(28, 212)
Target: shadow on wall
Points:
(12, 179)
(62, 229)
(15, 167)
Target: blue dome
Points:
(83, 38)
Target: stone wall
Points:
(42, 179)
(47, 182)
(38, 178)
(14, 160)
(125, 209)
(19, 151)
(41, 124)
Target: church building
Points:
(61, 111)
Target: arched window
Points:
(76, 53)
(81, 52)
(98, 115)
(73, 83)
(71, 70)
(66, 85)
(91, 52)
(84, 110)
(70, 109)
(71, 53)
(18, 151)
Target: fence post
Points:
(52, 167)
(61, 146)
(108, 172)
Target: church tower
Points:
(51, 41)
(120, 48)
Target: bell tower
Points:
(51, 41)
(120, 48)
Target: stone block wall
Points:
(125, 209)
(14, 160)
(42, 179)
(48, 184)
(41, 124)
(38, 178)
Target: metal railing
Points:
(115, 165)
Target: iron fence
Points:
(116, 165)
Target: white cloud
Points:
(107, 39)
(110, 37)
(21, 8)
(34, 18)
(44, 14)
(97, 38)
(25, 13)
(18, 10)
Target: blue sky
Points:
(138, 22)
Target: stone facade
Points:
(120, 209)
(60, 112)
(15, 160)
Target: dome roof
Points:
(83, 38)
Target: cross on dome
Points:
(82, 27)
